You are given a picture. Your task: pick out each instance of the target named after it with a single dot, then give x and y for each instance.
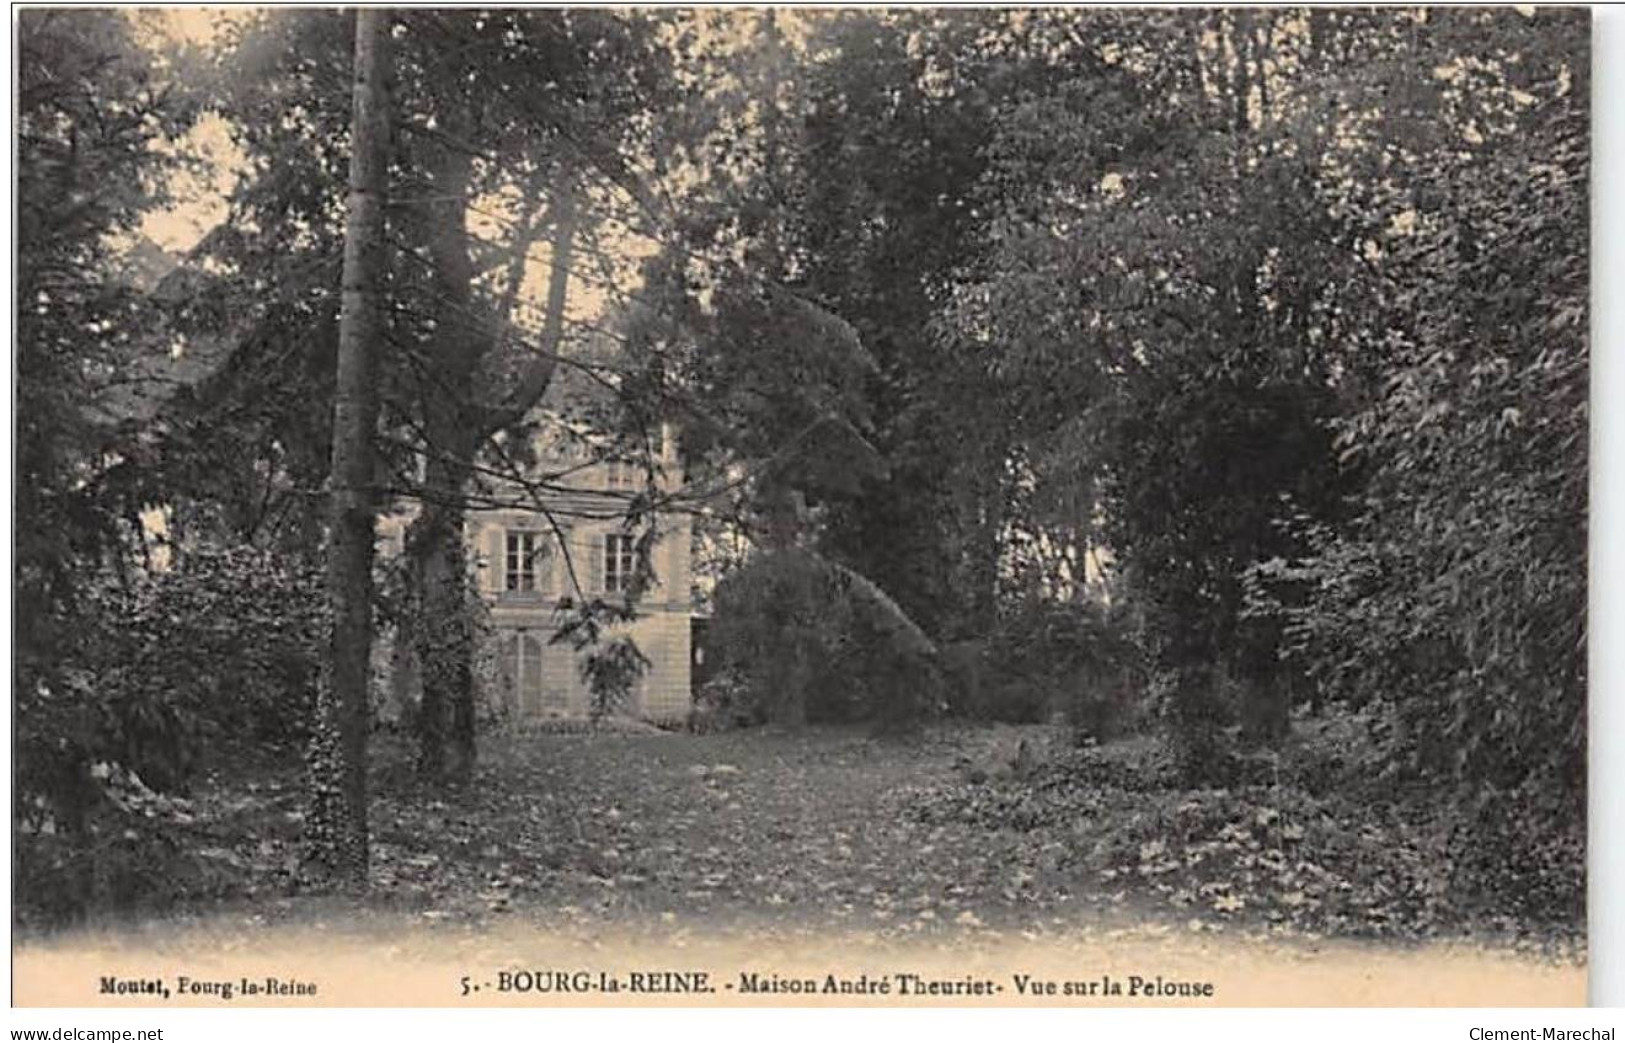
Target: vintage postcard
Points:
(760, 507)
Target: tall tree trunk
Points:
(337, 826)
(518, 395)
(444, 634)
(989, 486)
(456, 423)
(405, 679)
(445, 642)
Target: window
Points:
(618, 562)
(523, 666)
(519, 563)
(620, 475)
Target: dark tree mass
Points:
(1155, 440)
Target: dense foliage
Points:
(1308, 839)
(801, 641)
(174, 673)
(91, 118)
(1300, 345)
(1321, 410)
(1455, 598)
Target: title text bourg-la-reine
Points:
(905, 984)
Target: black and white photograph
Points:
(776, 506)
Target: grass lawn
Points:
(803, 850)
(812, 828)
(955, 829)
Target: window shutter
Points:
(510, 672)
(559, 546)
(531, 686)
(493, 550)
(595, 559)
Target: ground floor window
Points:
(522, 663)
(523, 655)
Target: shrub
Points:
(1514, 859)
(218, 653)
(233, 637)
(612, 672)
(1076, 658)
(723, 703)
(124, 851)
(806, 641)
(1453, 603)
(225, 648)
(1344, 860)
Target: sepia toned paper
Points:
(649, 855)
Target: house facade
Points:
(574, 547)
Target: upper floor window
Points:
(524, 548)
(620, 475)
(619, 558)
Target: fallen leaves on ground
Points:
(830, 826)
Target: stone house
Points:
(525, 562)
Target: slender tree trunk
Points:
(444, 637)
(445, 630)
(985, 523)
(337, 830)
(405, 679)
(516, 398)
(558, 293)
